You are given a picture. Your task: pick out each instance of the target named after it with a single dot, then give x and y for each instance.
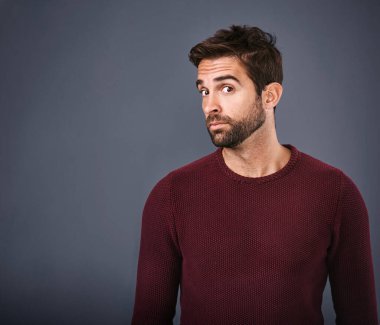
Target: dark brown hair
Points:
(254, 47)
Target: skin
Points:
(229, 96)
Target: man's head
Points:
(237, 68)
(253, 47)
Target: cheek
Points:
(236, 106)
(204, 103)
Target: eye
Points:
(227, 89)
(203, 92)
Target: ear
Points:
(271, 95)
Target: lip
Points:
(216, 125)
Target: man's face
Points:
(232, 108)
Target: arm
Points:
(159, 266)
(350, 261)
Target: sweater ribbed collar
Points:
(294, 155)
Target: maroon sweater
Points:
(254, 250)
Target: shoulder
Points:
(196, 166)
(316, 170)
(192, 170)
(320, 170)
(316, 165)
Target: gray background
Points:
(97, 103)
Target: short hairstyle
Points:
(254, 47)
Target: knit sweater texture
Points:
(254, 250)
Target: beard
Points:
(238, 130)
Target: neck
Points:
(259, 155)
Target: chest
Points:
(246, 228)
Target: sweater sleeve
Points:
(159, 265)
(350, 261)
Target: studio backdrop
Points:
(97, 103)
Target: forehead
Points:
(209, 68)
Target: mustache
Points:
(218, 118)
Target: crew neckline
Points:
(294, 155)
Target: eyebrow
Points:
(220, 78)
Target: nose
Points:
(211, 104)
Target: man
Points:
(251, 232)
